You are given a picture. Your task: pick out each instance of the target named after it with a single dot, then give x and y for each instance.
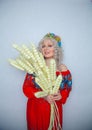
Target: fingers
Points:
(49, 99)
(57, 96)
(52, 98)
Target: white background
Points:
(25, 21)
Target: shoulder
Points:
(63, 67)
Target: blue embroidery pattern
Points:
(33, 80)
(66, 82)
(36, 85)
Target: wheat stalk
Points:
(33, 61)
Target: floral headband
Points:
(57, 38)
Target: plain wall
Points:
(25, 21)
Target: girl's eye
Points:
(50, 45)
(43, 46)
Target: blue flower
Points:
(59, 44)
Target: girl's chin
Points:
(48, 57)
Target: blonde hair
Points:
(58, 55)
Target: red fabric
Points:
(64, 92)
(38, 109)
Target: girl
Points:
(38, 109)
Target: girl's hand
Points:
(49, 99)
(57, 96)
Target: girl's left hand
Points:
(57, 96)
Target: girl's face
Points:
(48, 49)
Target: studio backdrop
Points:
(25, 21)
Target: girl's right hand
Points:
(49, 99)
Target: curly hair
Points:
(58, 53)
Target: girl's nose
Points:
(46, 47)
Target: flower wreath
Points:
(55, 37)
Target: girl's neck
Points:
(48, 61)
